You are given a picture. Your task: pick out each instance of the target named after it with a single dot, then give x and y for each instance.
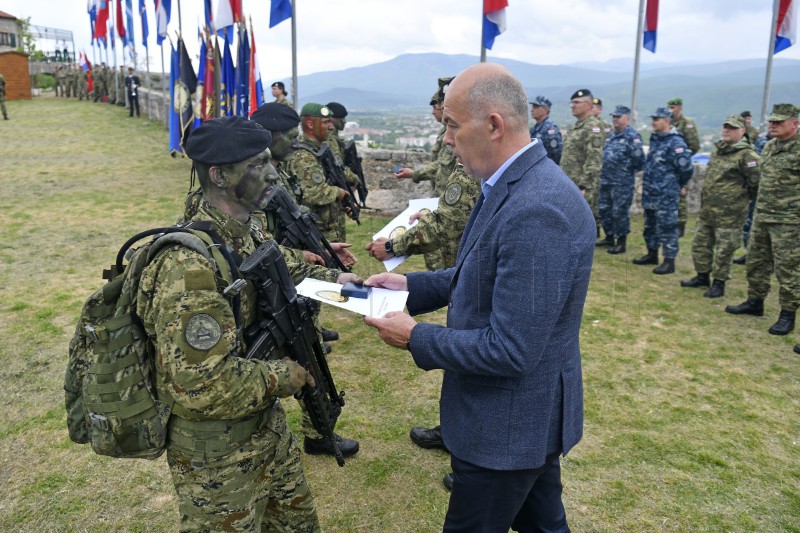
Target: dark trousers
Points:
(485, 501)
(134, 100)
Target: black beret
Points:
(337, 109)
(276, 117)
(227, 140)
(581, 93)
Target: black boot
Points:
(448, 481)
(740, 260)
(748, 307)
(681, 230)
(608, 241)
(797, 348)
(667, 267)
(327, 347)
(619, 247)
(329, 335)
(427, 438)
(348, 447)
(650, 259)
(717, 289)
(700, 280)
(784, 325)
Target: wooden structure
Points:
(14, 68)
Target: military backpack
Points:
(111, 398)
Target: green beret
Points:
(227, 140)
(781, 112)
(675, 101)
(276, 117)
(316, 110)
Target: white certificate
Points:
(400, 225)
(380, 301)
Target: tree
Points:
(27, 42)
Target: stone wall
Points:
(389, 195)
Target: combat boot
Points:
(748, 307)
(650, 259)
(681, 230)
(329, 335)
(619, 247)
(740, 260)
(700, 280)
(667, 267)
(797, 348)
(784, 325)
(608, 241)
(717, 289)
(323, 446)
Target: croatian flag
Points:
(786, 29)
(256, 88)
(229, 12)
(101, 23)
(650, 25)
(494, 20)
(162, 19)
(84, 61)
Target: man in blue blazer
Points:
(512, 395)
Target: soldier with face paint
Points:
(234, 463)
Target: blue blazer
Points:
(512, 392)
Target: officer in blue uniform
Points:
(545, 129)
(623, 157)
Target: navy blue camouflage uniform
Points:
(623, 157)
(667, 169)
(550, 136)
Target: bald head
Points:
(486, 114)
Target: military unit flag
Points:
(163, 8)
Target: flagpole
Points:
(483, 37)
(114, 51)
(637, 57)
(294, 55)
(147, 82)
(180, 29)
(768, 77)
(164, 96)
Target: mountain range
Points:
(710, 91)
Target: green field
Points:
(692, 415)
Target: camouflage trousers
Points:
(3, 106)
(683, 212)
(591, 196)
(774, 247)
(614, 207)
(712, 250)
(332, 226)
(748, 224)
(661, 229)
(259, 486)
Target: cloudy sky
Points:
(337, 34)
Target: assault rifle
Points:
(353, 161)
(295, 229)
(285, 320)
(335, 176)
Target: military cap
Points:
(580, 93)
(227, 140)
(444, 82)
(597, 101)
(675, 101)
(781, 112)
(745, 114)
(621, 110)
(737, 121)
(541, 101)
(276, 117)
(436, 98)
(315, 110)
(338, 110)
(662, 112)
(278, 84)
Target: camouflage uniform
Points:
(607, 128)
(582, 158)
(234, 463)
(668, 167)
(623, 157)
(442, 164)
(3, 97)
(59, 77)
(284, 101)
(688, 129)
(337, 147)
(441, 230)
(83, 84)
(753, 134)
(731, 181)
(775, 239)
(550, 136)
(318, 195)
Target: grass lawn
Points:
(692, 415)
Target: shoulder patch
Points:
(595, 130)
(637, 140)
(679, 150)
(597, 142)
(452, 194)
(199, 280)
(317, 177)
(690, 126)
(551, 131)
(752, 163)
(202, 332)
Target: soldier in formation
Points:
(582, 158)
(731, 182)
(688, 129)
(623, 157)
(234, 463)
(775, 238)
(336, 142)
(545, 129)
(667, 169)
(58, 74)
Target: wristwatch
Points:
(388, 247)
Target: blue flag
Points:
(145, 30)
(279, 11)
(174, 124)
(242, 94)
(183, 86)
